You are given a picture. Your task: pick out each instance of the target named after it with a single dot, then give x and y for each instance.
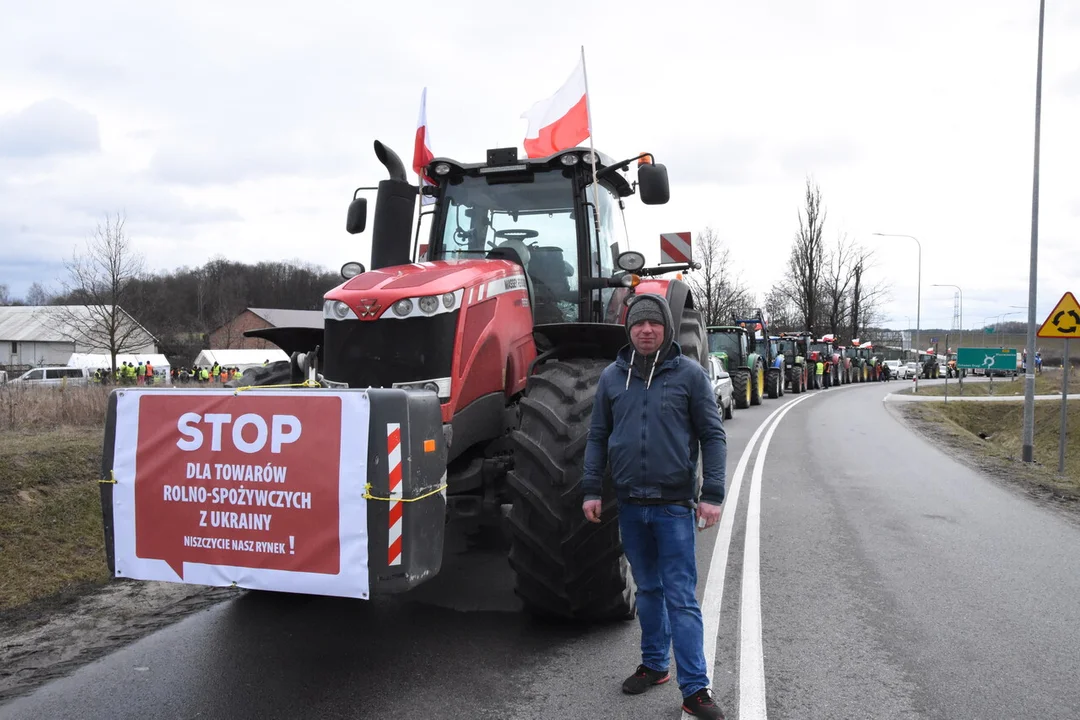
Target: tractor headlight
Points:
(340, 310)
(337, 310)
(429, 304)
(403, 307)
(448, 300)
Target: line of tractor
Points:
(765, 365)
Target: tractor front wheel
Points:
(757, 385)
(566, 566)
(774, 383)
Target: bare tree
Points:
(807, 262)
(100, 282)
(781, 312)
(717, 290)
(863, 297)
(838, 279)
(37, 295)
(5, 296)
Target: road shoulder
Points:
(51, 638)
(1035, 481)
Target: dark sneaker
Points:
(643, 679)
(701, 705)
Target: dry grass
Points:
(51, 537)
(1048, 382)
(25, 407)
(959, 424)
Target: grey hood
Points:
(646, 365)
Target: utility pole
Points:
(1033, 280)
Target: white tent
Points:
(162, 375)
(242, 359)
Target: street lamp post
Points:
(1028, 449)
(918, 301)
(961, 340)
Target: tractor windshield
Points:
(788, 348)
(725, 342)
(821, 348)
(538, 215)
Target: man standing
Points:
(653, 407)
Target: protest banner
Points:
(261, 489)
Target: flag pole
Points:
(592, 153)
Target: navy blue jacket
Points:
(650, 435)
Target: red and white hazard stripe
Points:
(393, 452)
(675, 247)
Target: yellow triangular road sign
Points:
(1064, 319)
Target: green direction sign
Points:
(986, 358)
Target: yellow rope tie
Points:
(369, 496)
(111, 480)
(306, 383)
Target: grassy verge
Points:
(51, 538)
(1046, 383)
(959, 425)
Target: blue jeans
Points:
(659, 543)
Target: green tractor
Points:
(795, 348)
(860, 358)
(736, 349)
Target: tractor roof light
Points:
(645, 159)
(569, 159)
(590, 158)
(442, 169)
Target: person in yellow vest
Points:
(131, 374)
(204, 375)
(819, 370)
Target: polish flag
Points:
(562, 120)
(422, 154)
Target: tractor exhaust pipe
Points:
(392, 227)
(391, 161)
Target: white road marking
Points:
(751, 654)
(714, 585)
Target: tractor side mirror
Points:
(653, 184)
(357, 218)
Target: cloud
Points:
(48, 127)
(692, 159)
(222, 165)
(1070, 84)
(811, 156)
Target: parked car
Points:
(55, 376)
(722, 387)
(911, 370)
(896, 369)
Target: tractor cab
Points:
(730, 344)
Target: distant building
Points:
(230, 336)
(32, 335)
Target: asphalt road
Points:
(883, 580)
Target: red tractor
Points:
(826, 352)
(510, 320)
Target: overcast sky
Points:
(242, 129)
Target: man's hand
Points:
(592, 510)
(709, 512)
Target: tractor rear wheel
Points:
(692, 337)
(566, 566)
(740, 381)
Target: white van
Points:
(55, 376)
